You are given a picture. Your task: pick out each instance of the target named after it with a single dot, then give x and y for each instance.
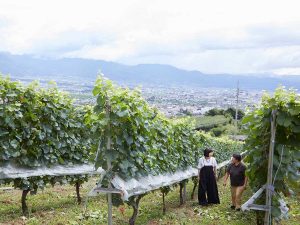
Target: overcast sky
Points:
(224, 36)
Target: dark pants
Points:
(208, 189)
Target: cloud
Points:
(253, 49)
(70, 41)
(3, 22)
(230, 36)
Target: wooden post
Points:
(23, 200)
(268, 218)
(135, 205)
(77, 185)
(195, 181)
(164, 203)
(182, 191)
(164, 190)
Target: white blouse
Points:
(207, 162)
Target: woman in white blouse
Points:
(208, 189)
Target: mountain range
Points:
(20, 66)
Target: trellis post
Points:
(268, 187)
(269, 192)
(109, 194)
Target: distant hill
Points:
(150, 74)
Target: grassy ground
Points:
(58, 206)
(206, 121)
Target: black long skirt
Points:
(208, 189)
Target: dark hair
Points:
(207, 151)
(238, 157)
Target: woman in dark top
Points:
(207, 190)
(238, 180)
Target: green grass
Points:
(206, 122)
(58, 206)
(209, 121)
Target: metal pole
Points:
(268, 219)
(236, 109)
(109, 196)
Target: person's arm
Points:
(215, 167)
(245, 182)
(226, 178)
(215, 172)
(246, 179)
(227, 175)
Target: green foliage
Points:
(217, 126)
(40, 127)
(230, 129)
(230, 111)
(165, 189)
(287, 144)
(217, 131)
(143, 140)
(214, 112)
(206, 123)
